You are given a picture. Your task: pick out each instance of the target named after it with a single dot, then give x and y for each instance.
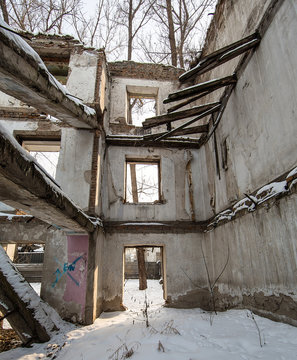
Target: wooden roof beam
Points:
(174, 116)
(206, 113)
(208, 86)
(200, 129)
(221, 56)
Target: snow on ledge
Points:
(250, 202)
(22, 44)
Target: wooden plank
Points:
(192, 130)
(174, 116)
(209, 86)
(140, 142)
(222, 55)
(186, 102)
(206, 113)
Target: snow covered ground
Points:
(173, 334)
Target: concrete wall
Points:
(82, 75)
(181, 252)
(65, 276)
(175, 203)
(74, 166)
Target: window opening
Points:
(153, 294)
(45, 152)
(141, 107)
(142, 182)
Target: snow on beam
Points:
(32, 318)
(24, 76)
(25, 185)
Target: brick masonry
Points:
(131, 69)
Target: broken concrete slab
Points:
(26, 186)
(29, 316)
(24, 76)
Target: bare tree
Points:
(134, 17)
(37, 15)
(4, 10)
(141, 268)
(102, 30)
(179, 26)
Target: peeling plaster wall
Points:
(74, 167)
(118, 96)
(181, 251)
(259, 122)
(8, 101)
(175, 205)
(262, 267)
(260, 119)
(82, 75)
(65, 276)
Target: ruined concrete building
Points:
(219, 197)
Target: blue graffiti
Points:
(65, 268)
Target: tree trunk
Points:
(130, 37)
(134, 183)
(4, 11)
(171, 33)
(141, 268)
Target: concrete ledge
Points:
(24, 76)
(25, 186)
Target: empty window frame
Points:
(140, 107)
(46, 152)
(142, 182)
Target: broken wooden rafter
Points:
(137, 141)
(221, 56)
(174, 131)
(186, 102)
(200, 129)
(207, 87)
(174, 116)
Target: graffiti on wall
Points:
(68, 269)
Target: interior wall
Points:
(181, 256)
(65, 276)
(176, 202)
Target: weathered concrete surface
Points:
(258, 125)
(74, 166)
(25, 229)
(261, 271)
(35, 193)
(72, 276)
(180, 260)
(118, 113)
(82, 75)
(175, 199)
(24, 78)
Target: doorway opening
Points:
(144, 277)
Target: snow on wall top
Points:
(8, 32)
